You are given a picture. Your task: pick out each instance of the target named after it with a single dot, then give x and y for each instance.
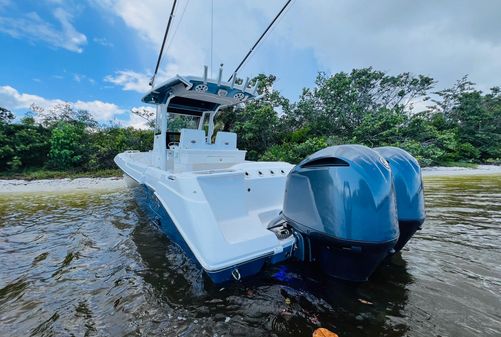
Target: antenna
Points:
(152, 81)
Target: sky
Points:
(98, 55)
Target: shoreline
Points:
(444, 171)
(10, 186)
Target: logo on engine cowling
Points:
(384, 162)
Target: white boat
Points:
(339, 207)
(211, 201)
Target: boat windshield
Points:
(178, 122)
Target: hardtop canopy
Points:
(193, 96)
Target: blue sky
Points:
(99, 54)
(55, 68)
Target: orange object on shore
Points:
(323, 332)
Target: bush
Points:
(68, 146)
(294, 152)
(364, 106)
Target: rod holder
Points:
(206, 69)
(254, 90)
(220, 76)
(246, 83)
(233, 79)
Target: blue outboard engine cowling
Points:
(409, 191)
(341, 203)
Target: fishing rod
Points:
(259, 40)
(152, 81)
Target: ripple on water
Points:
(92, 264)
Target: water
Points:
(92, 265)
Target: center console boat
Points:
(339, 208)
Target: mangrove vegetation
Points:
(458, 125)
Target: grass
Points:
(37, 174)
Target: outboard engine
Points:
(341, 204)
(409, 191)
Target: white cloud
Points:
(32, 27)
(129, 80)
(81, 77)
(445, 39)
(103, 42)
(12, 99)
(138, 122)
(188, 46)
(100, 110)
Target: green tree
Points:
(257, 123)
(385, 127)
(6, 116)
(338, 104)
(7, 150)
(364, 106)
(475, 117)
(67, 146)
(295, 152)
(107, 142)
(31, 144)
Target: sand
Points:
(117, 183)
(61, 185)
(438, 171)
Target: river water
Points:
(91, 264)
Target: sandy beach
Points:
(439, 171)
(61, 185)
(115, 183)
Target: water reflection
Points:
(94, 264)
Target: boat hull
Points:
(152, 206)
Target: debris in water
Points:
(364, 301)
(314, 319)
